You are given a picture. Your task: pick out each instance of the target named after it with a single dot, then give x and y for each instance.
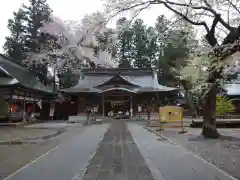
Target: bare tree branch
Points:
(194, 7)
(234, 6)
(140, 10)
(186, 18)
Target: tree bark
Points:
(209, 129)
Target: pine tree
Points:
(124, 46)
(68, 79)
(14, 45)
(25, 36)
(37, 12)
(152, 46)
(24, 29)
(140, 40)
(175, 44)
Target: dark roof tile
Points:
(22, 75)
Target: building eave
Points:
(118, 88)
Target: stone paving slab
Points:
(13, 157)
(68, 160)
(171, 162)
(118, 157)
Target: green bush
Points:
(224, 106)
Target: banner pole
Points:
(182, 126)
(160, 118)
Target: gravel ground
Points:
(224, 153)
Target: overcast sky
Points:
(68, 10)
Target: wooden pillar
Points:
(34, 108)
(10, 107)
(157, 104)
(79, 104)
(103, 108)
(24, 107)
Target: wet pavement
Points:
(118, 157)
(66, 161)
(119, 151)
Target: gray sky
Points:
(68, 10)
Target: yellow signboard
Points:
(171, 114)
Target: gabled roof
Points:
(117, 78)
(19, 74)
(6, 79)
(138, 80)
(4, 73)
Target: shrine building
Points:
(113, 90)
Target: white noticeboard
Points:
(139, 108)
(51, 113)
(95, 109)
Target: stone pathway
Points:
(118, 157)
(13, 157)
(123, 151)
(67, 160)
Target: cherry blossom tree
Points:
(75, 44)
(220, 20)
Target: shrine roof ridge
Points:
(114, 71)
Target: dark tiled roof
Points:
(21, 75)
(143, 80)
(118, 78)
(115, 71)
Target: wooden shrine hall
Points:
(112, 90)
(21, 90)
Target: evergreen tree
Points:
(25, 36)
(14, 45)
(37, 12)
(151, 46)
(124, 46)
(68, 79)
(140, 40)
(175, 44)
(24, 29)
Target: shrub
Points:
(224, 106)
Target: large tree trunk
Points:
(209, 129)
